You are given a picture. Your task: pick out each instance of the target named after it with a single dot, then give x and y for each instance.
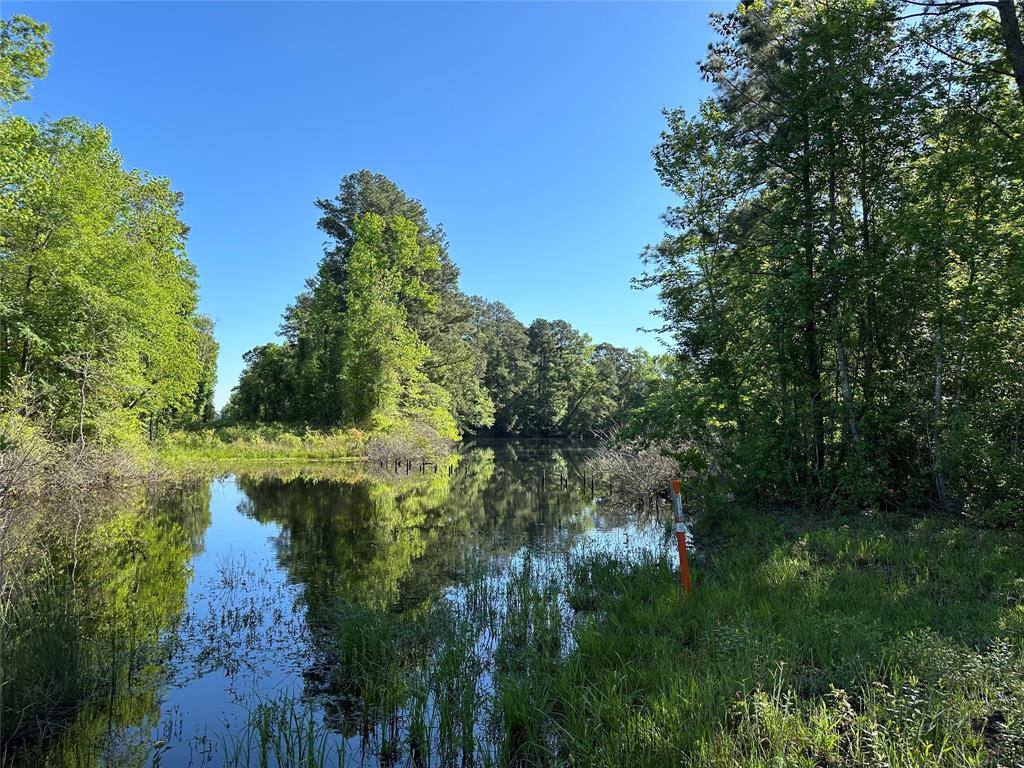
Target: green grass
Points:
(857, 641)
(864, 640)
(282, 732)
(264, 442)
(860, 641)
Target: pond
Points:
(342, 616)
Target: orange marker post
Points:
(684, 560)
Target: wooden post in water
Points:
(680, 527)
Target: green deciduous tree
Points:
(24, 50)
(99, 300)
(849, 201)
(98, 327)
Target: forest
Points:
(100, 337)
(844, 269)
(383, 335)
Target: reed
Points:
(850, 641)
(857, 641)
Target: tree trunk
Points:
(938, 460)
(81, 406)
(1010, 26)
(810, 330)
(843, 365)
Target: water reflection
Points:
(283, 584)
(85, 646)
(394, 544)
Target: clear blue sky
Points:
(525, 129)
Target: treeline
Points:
(100, 338)
(844, 270)
(382, 336)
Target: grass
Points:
(264, 442)
(857, 641)
(405, 442)
(282, 732)
(860, 641)
(864, 640)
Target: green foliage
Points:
(24, 51)
(382, 335)
(88, 596)
(372, 341)
(551, 380)
(502, 340)
(98, 326)
(203, 409)
(842, 274)
(803, 644)
(382, 373)
(577, 388)
(561, 375)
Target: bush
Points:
(407, 442)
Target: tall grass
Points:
(403, 442)
(80, 626)
(860, 641)
(261, 442)
(284, 732)
(852, 642)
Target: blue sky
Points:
(525, 129)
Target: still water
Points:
(273, 589)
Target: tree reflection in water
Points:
(381, 589)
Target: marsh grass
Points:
(69, 684)
(87, 589)
(857, 641)
(264, 442)
(851, 641)
(47, 671)
(285, 732)
(288, 443)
